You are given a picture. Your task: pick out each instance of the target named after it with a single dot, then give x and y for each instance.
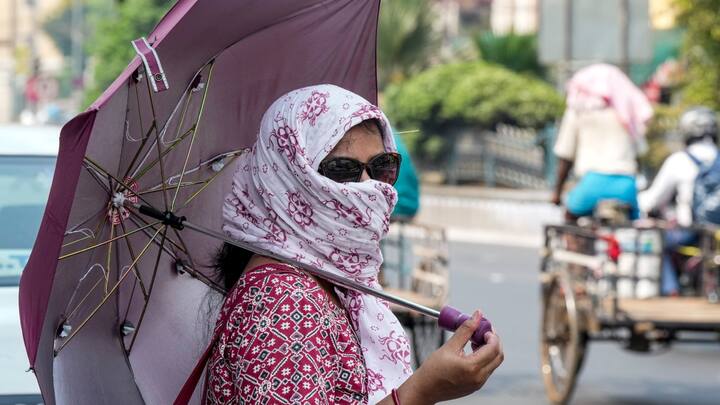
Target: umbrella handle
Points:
(450, 319)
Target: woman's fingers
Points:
(493, 364)
(463, 334)
(488, 352)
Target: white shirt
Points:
(595, 140)
(678, 173)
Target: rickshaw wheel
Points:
(562, 346)
(425, 336)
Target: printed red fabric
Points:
(284, 341)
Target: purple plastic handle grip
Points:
(450, 319)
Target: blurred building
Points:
(522, 16)
(517, 16)
(25, 52)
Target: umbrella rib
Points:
(97, 245)
(139, 173)
(160, 187)
(99, 230)
(137, 101)
(132, 256)
(158, 145)
(108, 260)
(101, 220)
(192, 139)
(207, 183)
(192, 270)
(110, 293)
(90, 291)
(187, 95)
(127, 307)
(94, 175)
(150, 288)
(170, 184)
(139, 150)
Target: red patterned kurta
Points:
(284, 342)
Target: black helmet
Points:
(697, 123)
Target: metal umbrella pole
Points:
(448, 317)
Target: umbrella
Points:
(118, 300)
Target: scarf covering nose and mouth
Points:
(281, 204)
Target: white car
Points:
(27, 162)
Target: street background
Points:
(499, 274)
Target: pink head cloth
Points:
(609, 84)
(281, 204)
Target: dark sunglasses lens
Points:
(342, 170)
(385, 168)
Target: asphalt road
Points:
(503, 282)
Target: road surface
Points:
(503, 281)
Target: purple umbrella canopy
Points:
(116, 307)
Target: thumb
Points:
(463, 333)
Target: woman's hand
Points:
(451, 373)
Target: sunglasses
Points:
(384, 167)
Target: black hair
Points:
(229, 263)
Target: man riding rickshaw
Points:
(608, 278)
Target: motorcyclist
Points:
(678, 178)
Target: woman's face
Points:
(360, 143)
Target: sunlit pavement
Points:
(503, 282)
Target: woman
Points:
(317, 188)
(601, 134)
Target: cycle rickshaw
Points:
(416, 268)
(601, 282)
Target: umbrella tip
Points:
(127, 328)
(64, 330)
(180, 266)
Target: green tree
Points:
(701, 50)
(406, 39)
(59, 25)
(469, 94)
(514, 51)
(114, 26)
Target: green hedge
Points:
(472, 93)
(475, 94)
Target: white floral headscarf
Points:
(281, 204)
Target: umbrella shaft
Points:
(334, 278)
